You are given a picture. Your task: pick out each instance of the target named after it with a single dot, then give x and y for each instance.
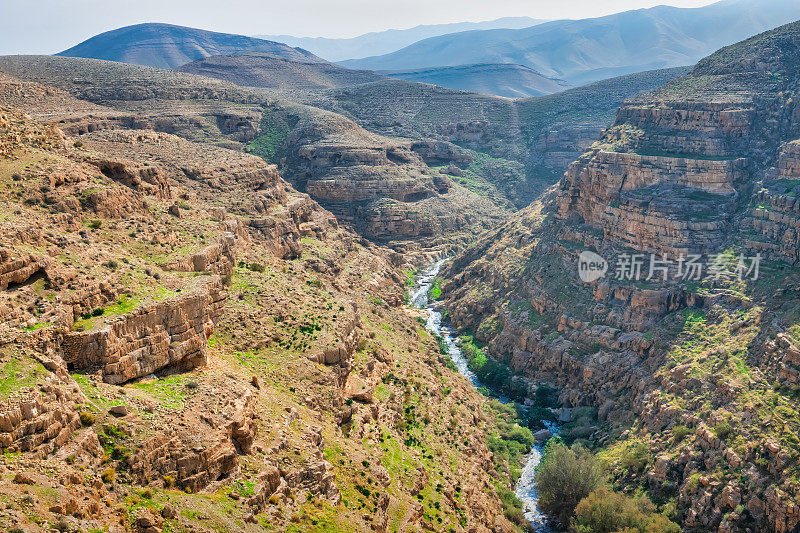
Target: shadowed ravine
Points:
(526, 486)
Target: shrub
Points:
(256, 267)
(566, 476)
(78, 144)
(512, 506)
(169, 481)
(604, 511)
(680, 432)
(108, 475)
(635, 457)
(723, 430)
(95, 224)
(87, 418)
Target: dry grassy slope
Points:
(272, 380)
(378, 184)
(264, 70)
(689, 390)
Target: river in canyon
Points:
(526, 487)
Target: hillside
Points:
(510, 81)
(168, 46)
(263, 70)
(379, 186)
(191, 344)
(684, 384)
(582, 51)
(384, 42)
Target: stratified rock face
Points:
(216, 259)
(222, 437)
(708, 164)
(18, 269)
(678, 166)
(382, 188)
(172, 333)
(664, 179)
(146, 180)
(775, 215)
(42, 420)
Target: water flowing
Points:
(526, 486)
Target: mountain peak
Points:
(157, 44)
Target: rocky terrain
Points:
(189, 343)
(377, 184)
(686, 388)
(503, 151)
(501, 79)
(501, 148)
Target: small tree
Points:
(566, 476)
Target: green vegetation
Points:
(274, 128)
(435, 292)
(508, 446)
(170, 391)
(490, 372)
(530, 316)
(18, 371)
(604, 511)
(564, 477)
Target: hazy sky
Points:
(49, 26)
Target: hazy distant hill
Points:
(168, 46)
(255, 69)
(512, 81)
(581, 51)
(384, 42)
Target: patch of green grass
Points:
(38, 326)
(19, 371)
(274, 128)
(170, 391)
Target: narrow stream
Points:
(526, 488)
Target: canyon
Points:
(221, 307)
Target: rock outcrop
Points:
(40, 421)
(168, 334)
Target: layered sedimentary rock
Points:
(208, 449)
(172, 333)
(16, 269)
(40, 420)
(775, 214)
(685, 368)
(217, 259)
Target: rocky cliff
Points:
(697, 373)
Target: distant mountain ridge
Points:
(384, 42)
(510, 81)
(255, 69)
(582, 51)
(168, 46)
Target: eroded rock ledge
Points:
(170, 333)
